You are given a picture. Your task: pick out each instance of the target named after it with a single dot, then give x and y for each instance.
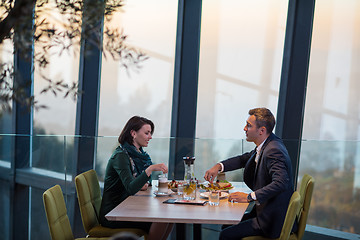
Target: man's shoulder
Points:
(273, 140)
(275, 143)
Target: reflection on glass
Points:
(240, 63)
(151, 28)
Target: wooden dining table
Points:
(145, 206)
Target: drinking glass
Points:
(190, 191)
(214, 198)
(163, 184)
(180, 190)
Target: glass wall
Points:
(332, 115)
(63, 65)
(147, 91)
(240, 63)
(240, 66)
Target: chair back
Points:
(89, 197)
(56, 214)
(293, 209)
(306, 190)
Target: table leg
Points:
(180, 231)
(197, 231)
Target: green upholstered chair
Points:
(292, 211)
(89, 197)
(306, 190)
(56, 214)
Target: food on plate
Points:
(218, 185)
(173, 184)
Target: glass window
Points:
(332, 114)
(240, 63)
(151, 28)
(59, 117)
(6, 63)
(240, 66)
(147, 91)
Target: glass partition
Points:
(335, 165)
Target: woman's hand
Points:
(156, 167)
(238, 197)
(145, 187)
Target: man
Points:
(267, 173)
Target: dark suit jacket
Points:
(271, 180)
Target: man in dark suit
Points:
(267, 173)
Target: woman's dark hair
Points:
(134, 123)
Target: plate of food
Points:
(218, 185)
(206, 194)
(173, 185)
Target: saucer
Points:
(160, 194)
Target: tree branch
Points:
(15, 14)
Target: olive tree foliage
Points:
(28, 23)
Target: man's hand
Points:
(238, 197)
(212, 173)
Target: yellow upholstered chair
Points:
(89, 197)
(292, 211)
(56, 214)
(306, 190)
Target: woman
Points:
(128, 171)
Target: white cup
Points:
(163, 184)
(214, 198)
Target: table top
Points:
(146, 207)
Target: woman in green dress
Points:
(128, 171)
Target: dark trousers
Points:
(247, 227)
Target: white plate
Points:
(206, 194)
(158, 194)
